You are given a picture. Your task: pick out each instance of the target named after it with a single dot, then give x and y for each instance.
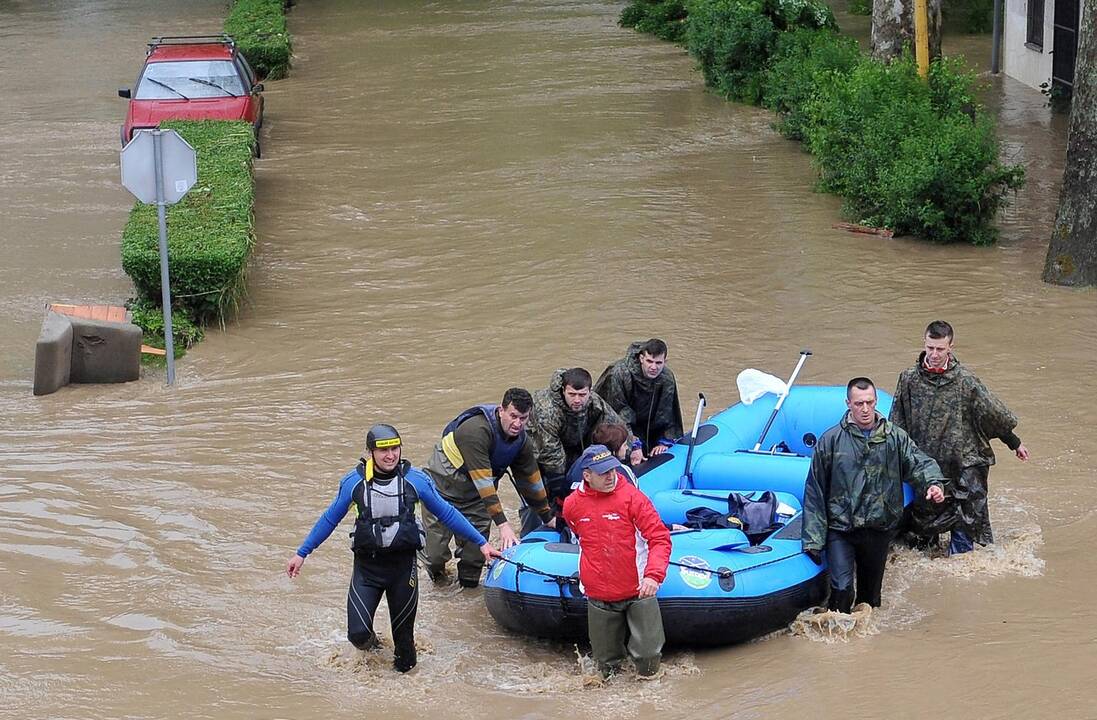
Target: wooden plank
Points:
(149, 350)
(867, 230)
(107, 313)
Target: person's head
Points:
(653, 357)
(938, 344)
(861, 401)
(514, 411)
(599, 467)
(576, 390)
(383, 445)
(613, 436)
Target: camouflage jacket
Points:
(856, 482)
(559, 433)
(650, 406)
(952, 416)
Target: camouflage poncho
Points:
(559, 433)
(952, 416)
(856, 482)
(650, 406)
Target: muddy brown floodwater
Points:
(455, 198)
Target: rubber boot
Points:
(841, 600)
(646, 667)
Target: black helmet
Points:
(382, 435)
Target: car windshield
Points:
(189, 79)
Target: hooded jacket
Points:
(856, 481)
(559, 433)
(952, 416)
(650, 406)
(621, 540)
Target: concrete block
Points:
(53, 354)
(104, 352)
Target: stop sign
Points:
(179, 168)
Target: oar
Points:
(781, 400)
(687, 475)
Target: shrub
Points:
(150, 318)
(665, 19)
(210, 233)
(920, 158)
(733, 39)
(259, 29)
(969, 16)
(732, 43)
(801, 60)
(860, 7)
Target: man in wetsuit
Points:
(476, 448)
(385, 489)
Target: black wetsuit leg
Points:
(872, 557)
(402, 595)
(395, 575)
(363, 597)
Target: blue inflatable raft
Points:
(720, 588)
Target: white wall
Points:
(1031, 67)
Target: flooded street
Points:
(454, 199)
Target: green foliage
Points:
(919, 158)
(801, 61)
(665, 19)
(259, 28)
(150, 318)
(732, 40)
(210, 231)
(859, 7)
(969, 16)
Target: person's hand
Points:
(648, 588)
(293, 567)
(636, 457)
(935, 493)
(659, 450)
(816, 556)
(507, 538)
(1021, 452)
(489, 552)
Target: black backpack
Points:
(756, 518)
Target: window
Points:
(189, 79)
(1034, 34)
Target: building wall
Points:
(1031, 67)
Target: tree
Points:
(1072, 253)
(893, 27)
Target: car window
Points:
(189, 79)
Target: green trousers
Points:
(470, 561)
(633, 626)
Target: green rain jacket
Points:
(952, 416)
(856, 482)
(650, 406)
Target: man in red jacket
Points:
(624, 548)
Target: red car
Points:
(193, 78)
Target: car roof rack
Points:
(159, 40)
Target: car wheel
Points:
(258, 150)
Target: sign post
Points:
(159, 166)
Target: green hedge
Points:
(665, 19)
(259, 29)
(210, 231)
(917, 157)
(150, 318)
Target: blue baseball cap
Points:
(598, 458)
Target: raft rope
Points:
(560, 580)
